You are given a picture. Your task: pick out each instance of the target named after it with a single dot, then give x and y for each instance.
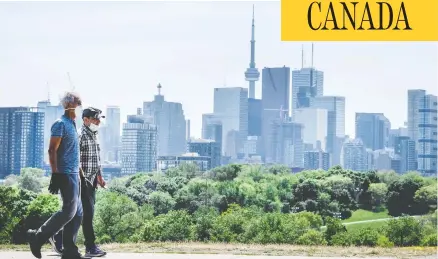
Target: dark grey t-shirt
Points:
(68, 151)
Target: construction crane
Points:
(70, 82)
(48, 91)
(281, 110)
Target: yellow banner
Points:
(359, 20)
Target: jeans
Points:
(88, 197)
(69, 217)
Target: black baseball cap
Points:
(91, 112)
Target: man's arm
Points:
(81, 150)
(57, 132)
(81, 172)
(53, 149)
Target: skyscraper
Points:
(171, 123)
(335, 105)
(422, 128)
(373, 129)
(404, 148)
(231, 108)
(287, 143)
(314, 123)
(252, 74)
(254, 117)
(208, 148)
(306, 84)
(414, 102)
(22, 138)
(51, 114)
(212, 128)
(275, 100)
(316, 159)
(354, 155)
(112, 137)
(188, 130)
(139, 146)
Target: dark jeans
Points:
(88, 198)
(69, 217)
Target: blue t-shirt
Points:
(68, 151)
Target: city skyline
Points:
(113, 51)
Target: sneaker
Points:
(94, 252)
(56, 246)
(35, 248)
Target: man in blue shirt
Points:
(64, 161)
(91, 169)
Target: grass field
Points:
(361, 215)
(374, 225)
(247, 249)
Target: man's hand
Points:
(101, 181)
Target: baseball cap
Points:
(92, 112)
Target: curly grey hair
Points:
(69, 98)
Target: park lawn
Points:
(378, 225)
(362, 215)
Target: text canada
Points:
(357, 16)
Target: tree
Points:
(279, 169)
(204, 218)
(426, 198)
(404, 231)
(31, 179)
(162, 202)
(378, 193)
(41, 209)
(404, 189)
(225, 173)
(8, 217)
(112, 213)
(306, 190)
(11, 180)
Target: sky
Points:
(117, 52)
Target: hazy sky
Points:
(117, 52)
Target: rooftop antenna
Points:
(159, 88)
(70, 82)
(312, 54)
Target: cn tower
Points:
(252, 74)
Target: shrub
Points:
(312, 237)
(365, 237)
(334, 226)
(173, 226)
(429, 240)
(341, 239)
(204, 218)
(384, 241)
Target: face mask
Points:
(93, 127)
(77, 110)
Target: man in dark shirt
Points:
(92, 176)
(64, 161)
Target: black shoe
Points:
(35, 248)
(75, 256)
(94, 251)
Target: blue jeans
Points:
(88, 197)
(69, 217)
